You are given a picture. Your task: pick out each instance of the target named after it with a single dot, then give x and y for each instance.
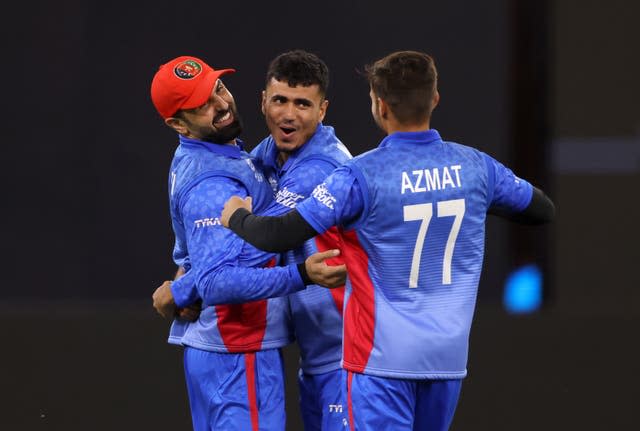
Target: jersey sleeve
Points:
(338, 201)
(297, 185)
(507, 191)
(185, 292)
(215, 252)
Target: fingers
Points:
(231, 205)
(187, 313)
(163, 300)
(325, 275)
(324, 255)
(335, 276)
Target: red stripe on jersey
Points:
(359, 316)
(250, 371)
(352, 425)
(330, 240)
(242, 326)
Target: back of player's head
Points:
(299, 67)
(407, 81)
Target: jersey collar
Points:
(423, 137)
(233, 151)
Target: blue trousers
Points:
(235, 391)
(323, 404)
(378, 403)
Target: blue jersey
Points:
(413, 212)
(224, 271)
(316, 312)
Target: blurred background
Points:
(550, 88)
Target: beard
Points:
(227, 133)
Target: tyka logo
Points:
(211, 221)
(337, 408)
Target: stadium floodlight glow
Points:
(523, 290)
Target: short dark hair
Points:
(407, 82)
(299, 67)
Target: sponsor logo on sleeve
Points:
(323, 196)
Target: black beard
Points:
(227, 134)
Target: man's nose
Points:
(289, 111)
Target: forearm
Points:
(234, 284)
(539, 211)
(273, 234)
(184, 289)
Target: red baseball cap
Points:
(185, 82)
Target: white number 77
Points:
(454, 208)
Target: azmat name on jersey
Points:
(426, 180)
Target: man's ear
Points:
(436, 100)
(263, 104)
(383, 108)
(177, 124)
(323, 108)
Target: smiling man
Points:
(233, 365)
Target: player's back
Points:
(421, 237)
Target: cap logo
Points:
(187, 69)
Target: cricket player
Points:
(412, 216)
(233, 365)
(301, 152)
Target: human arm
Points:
(165, 304)
(540, 210)
(516, 199)
(337, 201)
(224, 269)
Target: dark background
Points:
(549, 88)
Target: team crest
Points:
(187, 69)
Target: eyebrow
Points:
(300, 100)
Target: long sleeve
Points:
(224, 268)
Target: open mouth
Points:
(287, 131)
(223, 119)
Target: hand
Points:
(165, 305)
(190, 313)
(163, 301)
(325, 275)
(232, 205)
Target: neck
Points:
(282, 158)
(394, 126)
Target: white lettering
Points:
(256, 173)
(455, 169)
(406, 183)
(417, 188)
(426, 180)
(287, 198)
(446, 178)
(323, 196)
(210, 221)
(433, 180)
(335, 408)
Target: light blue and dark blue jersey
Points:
(412, 213)
(229, 275)
(316, 312)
